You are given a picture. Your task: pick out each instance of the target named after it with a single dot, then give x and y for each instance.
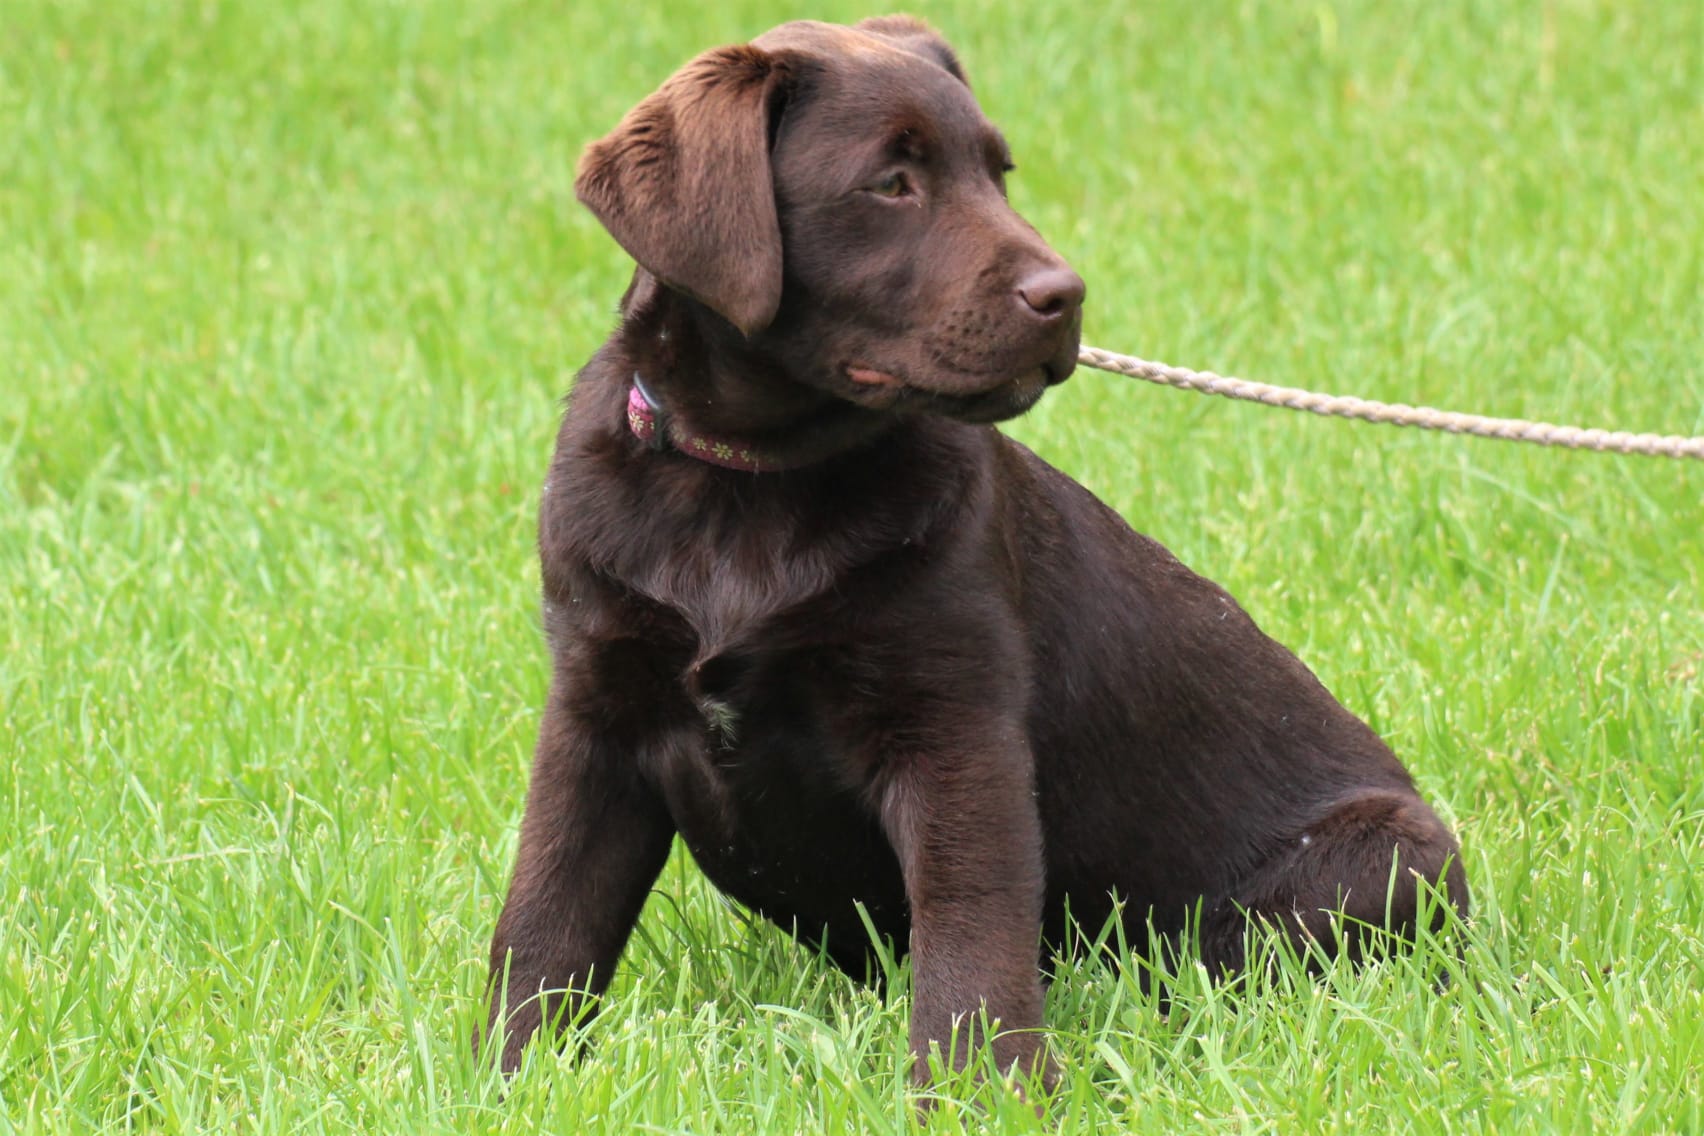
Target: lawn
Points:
(289, 296)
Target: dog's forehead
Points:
(874, 62)
(865, 83)
(848, 43)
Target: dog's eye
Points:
(894, 185)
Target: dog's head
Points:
(837, 195)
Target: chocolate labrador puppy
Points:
(810, 611)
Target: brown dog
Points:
(808, 611)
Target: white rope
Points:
(1395, 414)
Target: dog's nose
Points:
(1052, 293)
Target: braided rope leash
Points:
(1395, 414)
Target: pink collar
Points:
(649, 423)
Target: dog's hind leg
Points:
(1365, 873)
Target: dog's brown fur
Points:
(919, 670)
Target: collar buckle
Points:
(646, 417)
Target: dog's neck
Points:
(702, 389)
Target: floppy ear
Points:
(683, 184)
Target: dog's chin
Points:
(876, 390)
(1008, 400)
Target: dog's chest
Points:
(740, 626)
(765, 728)
(771, 797)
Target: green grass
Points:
(288, 298)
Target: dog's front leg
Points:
(593, 839)
(962, 818)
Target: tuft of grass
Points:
(288, 299)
